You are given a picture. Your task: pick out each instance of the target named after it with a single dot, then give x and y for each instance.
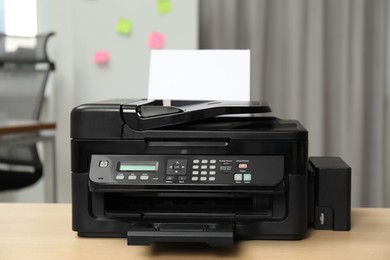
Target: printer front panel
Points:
(110, 172)
(271, 202)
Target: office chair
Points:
(24, 71)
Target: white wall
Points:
(127, 72)
(84, 27)
(62, 17)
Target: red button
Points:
(242, 165)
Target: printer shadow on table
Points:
(193, 250)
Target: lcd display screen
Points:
(138, 167)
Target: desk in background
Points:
(12, 127)
(14, 132)
(43, 231)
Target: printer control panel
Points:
(259, 170)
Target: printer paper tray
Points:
(216, 233)
(266, 214)
(187, 205)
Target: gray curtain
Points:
(322, 62)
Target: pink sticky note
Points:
(101, 57)
(156, 40)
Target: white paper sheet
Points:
(200, 75)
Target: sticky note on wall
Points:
(101, 57)
(124, 26)
(164, 6)
(156, 40)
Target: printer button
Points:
(204, 161)
(195, 172)
(103, 164)
(203, 178)
(213, 161)
(238, 177)
(247, 177)
(212, 167)
(120, 177)
(195, 166)
(203, 167)
(194, 178)
(182, 178)
(203, 172)
(195, 161)
(212, 178)
(212, 173)
(169, 178)
(225, 168)
(144, 177)
(132, 177)
(242, 165)
(177, 166)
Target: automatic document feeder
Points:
(181, 171)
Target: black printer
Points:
(193, 171)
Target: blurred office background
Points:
(323, 62)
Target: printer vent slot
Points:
(188, 143)
(122, 204)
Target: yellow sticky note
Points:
(164, 6)
(124, 26)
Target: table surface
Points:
(43, 231)
(24, 126)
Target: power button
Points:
(242, 166)
(103, 164)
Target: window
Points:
(20, 19)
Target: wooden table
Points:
(43, 231)
(23, 132)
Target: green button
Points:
(247, 177)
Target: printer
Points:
(199, 171)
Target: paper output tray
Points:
(214, 233)
(150, 114)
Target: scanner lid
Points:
(150, 114)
